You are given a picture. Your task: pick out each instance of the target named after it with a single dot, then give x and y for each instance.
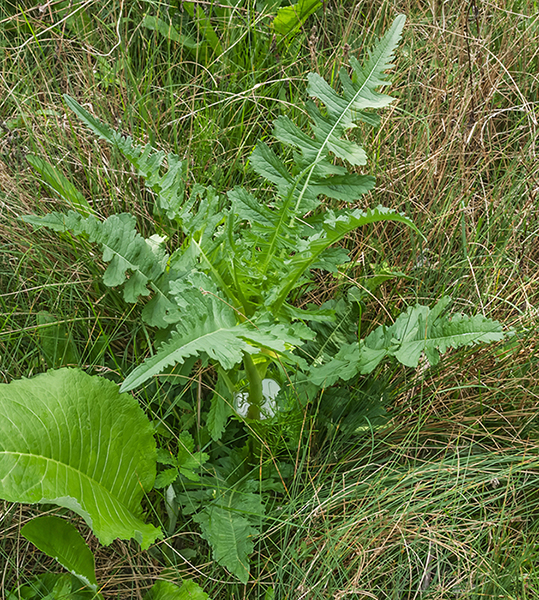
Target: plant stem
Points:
(255, 387)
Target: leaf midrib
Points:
(337, 122)
(92, 481)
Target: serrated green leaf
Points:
(61, 541)
(164, 457)
(230, 526)
(70, 439)
(318, 174)
(279, 234)
(422, 330)
(267, 164)
(419, 330)
(210, 326)
(166, 478)
(123, 248)
(166, 590)
(249, 208)
(215, 334)
(187, 460)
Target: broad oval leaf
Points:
(71, 439)
(61, 541)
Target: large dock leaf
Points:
(70, 439)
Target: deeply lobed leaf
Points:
(318, 174)
(417, 331)
(169, 188)
(208, 325)
(123, 248)
(230, 526)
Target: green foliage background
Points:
(442, 501)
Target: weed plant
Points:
(439, 503)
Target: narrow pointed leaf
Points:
(56, 180)
(168, 31)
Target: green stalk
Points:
(255, 387)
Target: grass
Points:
(440, 504)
